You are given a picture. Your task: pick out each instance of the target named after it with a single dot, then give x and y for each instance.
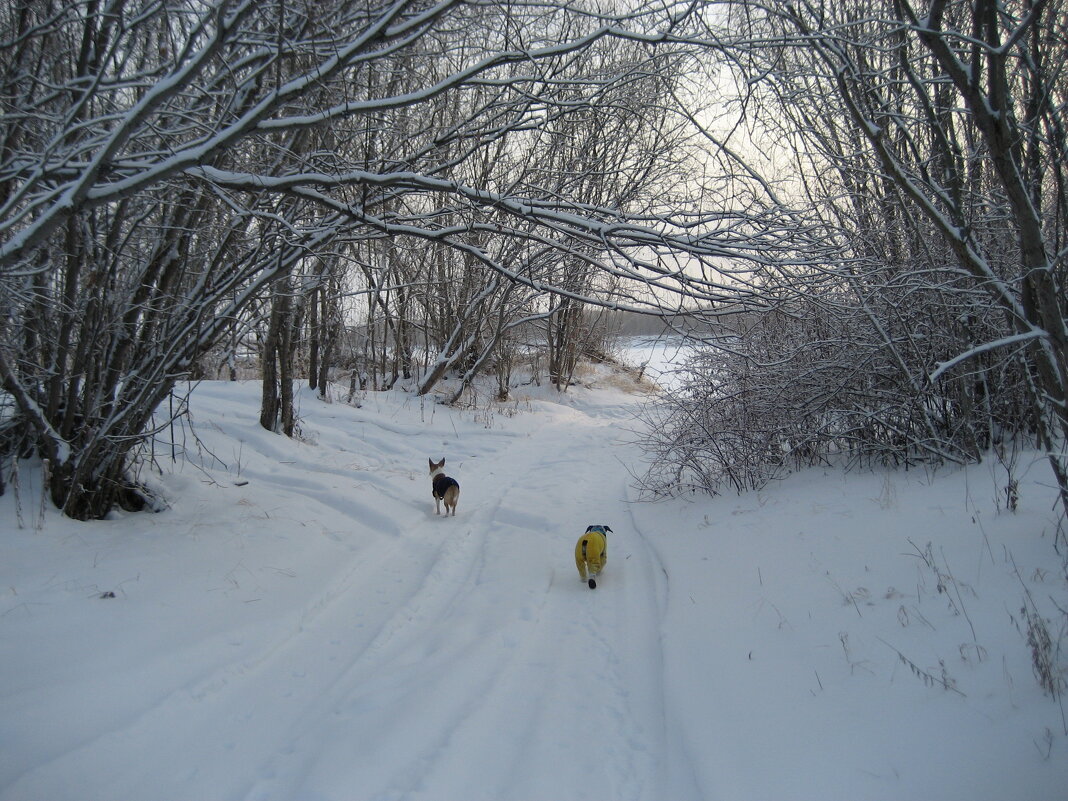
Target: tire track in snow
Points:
(403, 658)
(530, 683)
(676, 776)
(575, 710)
(310, 651)
(315, 648)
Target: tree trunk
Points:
(270, 398)
(315, 336)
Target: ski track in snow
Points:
(439, 639)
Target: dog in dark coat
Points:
(443, 488)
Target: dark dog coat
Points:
(442, 484)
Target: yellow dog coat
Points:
(591, 552)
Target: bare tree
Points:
(930, 145)
(192, 154)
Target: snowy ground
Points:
(300, 626)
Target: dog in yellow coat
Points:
(591, 553)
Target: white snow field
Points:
(298, 625)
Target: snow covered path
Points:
(439, 658)
(486, 665)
